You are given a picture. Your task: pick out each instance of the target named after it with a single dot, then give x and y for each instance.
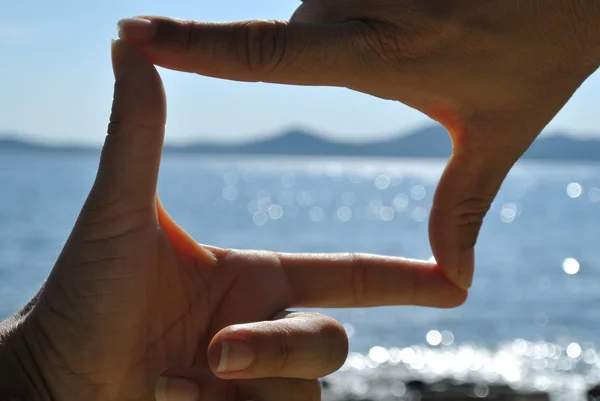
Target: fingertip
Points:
(230, 353)
(459, 297)
(137, 30)
(454, 295)
(126, 58)
(461, 272)
(118, 52)
(214, 355)
(466, 268)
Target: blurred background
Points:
(362, 178)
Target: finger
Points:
(199, 384)
(297, 345)
(280, 390)
(361, 280)
(128, 172)
(193, 383)
(463, 197)
(269, 51)
(177, 388)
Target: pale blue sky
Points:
(56, 80)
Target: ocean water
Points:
(533, 316)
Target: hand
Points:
(133, 297)
(494, 73)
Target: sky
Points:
(56, 81)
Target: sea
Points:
(532, 319)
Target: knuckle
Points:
(190, 36)
(263, 46)
(472, 210)
(469, 215)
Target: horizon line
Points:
(30, 139)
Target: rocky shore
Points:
(516, 371)
(440, 391)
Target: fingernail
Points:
(466, 266)
(235, 356)
(137, 30)
(119, 56)
(176, 389)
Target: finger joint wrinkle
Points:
(359, 277)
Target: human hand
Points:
(494, 73)
(133, 297)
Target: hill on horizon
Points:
(428, 142)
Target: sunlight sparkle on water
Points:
(400, 202)
(316, 214)
(275, 212)
(571, 266)
(574, 350)
(594, 194)
(574, 190)
(419, 214)
(434, 338)
(387, 213)
(382, 182)
(508, 213)
(418, 192)
(344, 214)
(260, 218)
(520, 364)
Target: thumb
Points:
(462, 199)
(268, 51)
(128, 172)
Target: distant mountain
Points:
(429, 142)
(9, 143)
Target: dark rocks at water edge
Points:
(594, 394)
(446, 390)
(517, 370)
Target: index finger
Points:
(353, 280)
(266, 51)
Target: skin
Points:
(494, 73)
(133, 297)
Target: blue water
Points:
(538, 257)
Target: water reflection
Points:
(574, 190)
(382, 182)
(537, 277)
(521, 365)
(570, 266)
